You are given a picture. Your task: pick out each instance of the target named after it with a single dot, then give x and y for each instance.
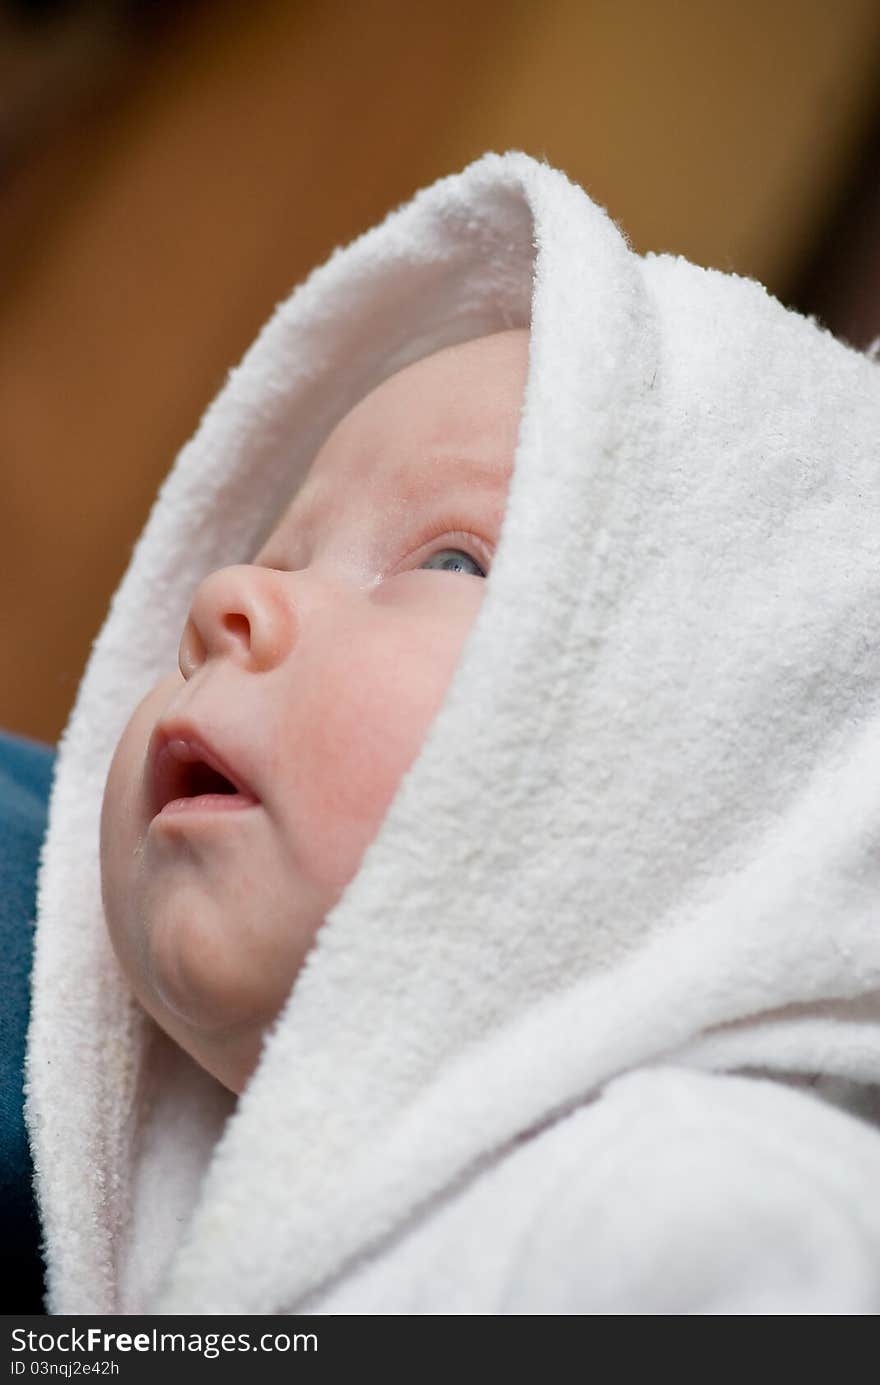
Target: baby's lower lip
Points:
(209, 803)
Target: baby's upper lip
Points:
(176, 746)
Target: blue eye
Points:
(452, 561)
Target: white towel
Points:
(505, 1080)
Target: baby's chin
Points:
(202, 1008)
(230, 1057)
(184, 963)
(202, 1023)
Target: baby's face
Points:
(310, 676)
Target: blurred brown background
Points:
(169, 170)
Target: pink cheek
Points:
(362, 745)
(360, 754)
(359, 720)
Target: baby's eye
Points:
(452, 560)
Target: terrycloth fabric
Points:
(578, 1035)
(25, 777)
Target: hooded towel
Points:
(602, 1035)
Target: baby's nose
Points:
(240, 612)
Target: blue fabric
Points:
(26, 768)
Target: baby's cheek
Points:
(352, 767)
(363, 745)
(365, 738)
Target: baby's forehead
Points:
(462, 402)
(399, 485)
(442, 429)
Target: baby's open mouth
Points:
(188, 774)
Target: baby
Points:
(481, 947)
(307, 681)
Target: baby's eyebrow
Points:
(439, 473)
(431, 480)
